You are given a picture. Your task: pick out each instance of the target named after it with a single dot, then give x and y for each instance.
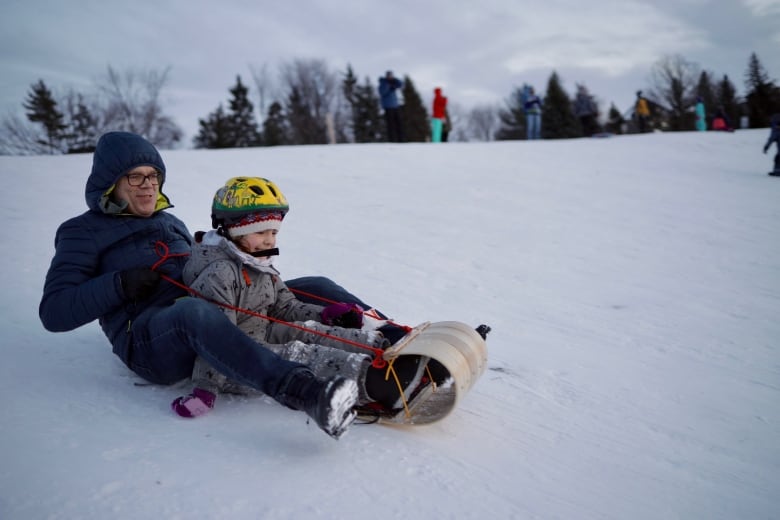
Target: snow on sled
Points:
(459, 349)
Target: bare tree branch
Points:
(483, 122)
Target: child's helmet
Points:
(243, 197)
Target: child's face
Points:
(260, 241)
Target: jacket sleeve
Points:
(289, 308)
(73, 295)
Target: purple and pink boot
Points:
(197, 403)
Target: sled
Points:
(459, 349)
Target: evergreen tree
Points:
(348, 88)
(311, 102)
(82, 132)
(708, 94)
(366, 120)
(235, 129)
(42, 108)
(414, 117)
(512, 118)
(586, 111)
(275, 126)
(763, 96)
(216, 131)
(615, 120)
(244, 127)
(304, 126)
(726, 97)
(558, 120)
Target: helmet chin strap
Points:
(266, 252)
(257, 254)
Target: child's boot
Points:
(197, 403)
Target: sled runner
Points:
(456, 347)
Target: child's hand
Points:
(347, 315)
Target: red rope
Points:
(366, 313)
(164, 253)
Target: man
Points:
(533, 115)
(389, 101)
(120, 262)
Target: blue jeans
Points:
(324, 288)
(165, 341)
(533, 126)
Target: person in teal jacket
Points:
(701, 116)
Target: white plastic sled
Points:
(459, 349)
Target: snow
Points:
(633, 287)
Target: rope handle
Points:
(164, 253)
(371, 313)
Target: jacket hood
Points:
(116, 154)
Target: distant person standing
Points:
(774, 137)
(445, 132)
(701, 116)
(586, 111)
(388, 84)
(642, 111)
(533, 115)
(439, 117)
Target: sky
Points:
(478, 55)
(632, 284)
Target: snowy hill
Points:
(633, 287)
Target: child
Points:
(233, 267)
(721, 121)
(774, 137)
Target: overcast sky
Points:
(477, 54)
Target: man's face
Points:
(140, 188)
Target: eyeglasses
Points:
(137, 179)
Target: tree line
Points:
(308, 103)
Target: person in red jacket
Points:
(439, 115)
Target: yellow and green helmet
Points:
(247, 205)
